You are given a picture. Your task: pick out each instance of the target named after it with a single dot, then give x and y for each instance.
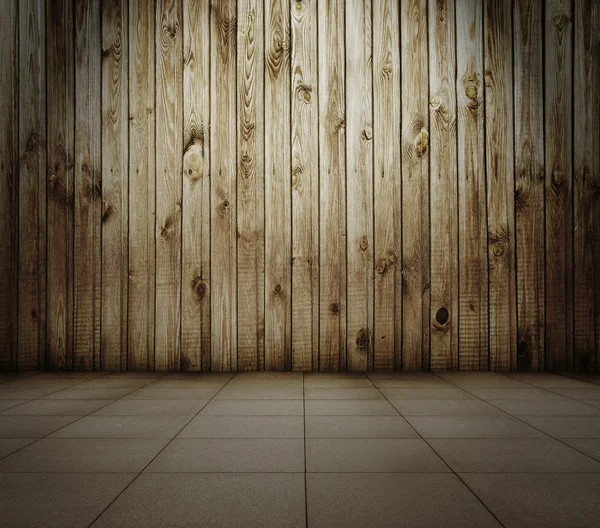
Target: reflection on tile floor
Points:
(293, 450)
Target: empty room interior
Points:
(300, 263)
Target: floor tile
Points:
(371, 456)
(591, 393)
(523, 455)
(124, 427)
(265, 383)
(334, 375)
(191, 383)
(560, 382)
(217, 501)
(358, 427)
(484, 426)
(32, 426)
(407, 382)
(140, 375)
(114, 383)
(511, 393)
(545, 407)
(149, 393)
(84, 456)
(43, 383)
(89, 394)
(254, 408)
(56, 408)
(480, 379)
(589, 446)
(24, 393)
(70, 374)
(593, 403)
(349, 408)
(425, 393)
(370, 393)
(342, 383)
(244, 427)
(7, 404)
(550, 500)
(231, 455)
(187, 408)
(443, 407)
(393, 500)
(260, 393)
(10, 445)
(566, 426)
(42, 500)
(220, 377)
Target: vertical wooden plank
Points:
(387, 184)
(278, 287)
(32, 184)
(559, 204)
(529, 176)
(332, 163)
(359, 164)
(415, 185)
(223, 189)
(585, 183)
(444, 182)
(60, 81)
(250, 186)
(142, 180)
(115, 184)
(305, 187)
(87, 259)
(169, 148)
(473, 272)
(9, 185)
(195, 305)
(500, 184)
(596, 171)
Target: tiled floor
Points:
(294, 450)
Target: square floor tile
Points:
(231, 456)
(512, 393)
(187, 408)
(523, 455)
(426, 393)
(23, 393)
(244, 427)
(560, 383)
(56, 408)
(124, 427)
(593, 403)
(254, 408)
(589, 446)
(89, 394)
(578, 393)
(70, 374)
(189, 383)
(342, 383)
(84, 456)
(393, 500)
(371, 456)
(260, 393)
(41, 500)
(407, 382)
(349, 408)
(10, 445)
(114, 383)
(549, 500)
(545, 407)
(7, 404)
(32, 426)
(480, 379)
(133, 375)
(150, 393)
(566, 426)
(483, 426)
(203, 500)
(370, 393)
(42, 383)
(443, 407)
(358, 427)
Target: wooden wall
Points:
(300, 184)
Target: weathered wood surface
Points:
(300, 185)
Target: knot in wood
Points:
(422, 143)
(522, 349)
(277, 288)
(435, 103)
(225, 203)
(392, 258)
(381, 266)
(362, 339)
(367, 133)
(498, 248)
(52, 179)
(364, 243)
(442, 316)
(335, 309)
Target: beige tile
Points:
(152, 408)
(349, 408)
(244, 427)
(443, 407)
(358, 427)
(32, 426)
(484, 426)
(566, 426)
(369, 393)
(254, 408)
(124, 427)
(56, 408)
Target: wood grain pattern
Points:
(473, 266)
(332, 200)
(250, 187)
(169, 142)
(595, 15)
(500, 185)
(529, 183)
(443, 193)
(32, 185)
(559, 186)
(142, 186)
(9, 184)
(195, 250)
(223, 142)
(359, 166)
(305, 186)
(415, 185)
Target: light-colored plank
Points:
(387, 185)
(169, 150)
(9, 194)
(142, 191)
(332, 163)
(32, 184)
(223, 188)
(444, 181)
(500, 185)
(195, 251)
(559, 186)
(529, 183)
(87, 256)
(305, 187)
(60, 84)
(586, 182)
(250, 186)
(473, 265)
(359, 186)
(278, 286)
(415, 185)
